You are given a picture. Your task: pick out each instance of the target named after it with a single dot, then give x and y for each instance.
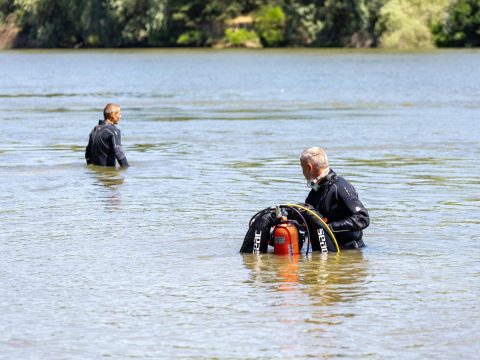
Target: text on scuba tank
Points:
(322, 240)
(279, 240)
(256, 242)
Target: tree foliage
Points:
(241, 38)
(69, 23)
(341, 20)
(407, 23)
(136, 22)
(270, 25)
(303, 23)
(333, 23)
(6, 7)
(462, 25)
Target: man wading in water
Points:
(105, 141)
(335, 198)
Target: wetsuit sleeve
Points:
(88, 150)
(117, 146)
(359, 218)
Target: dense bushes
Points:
(407, 23)
(70, 23)
(270, 25)
(462, 25)
(241, 38)
(337, 23)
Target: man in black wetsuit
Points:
(335, 198)
(105, 142)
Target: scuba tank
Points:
(285, 235)
(275, 221)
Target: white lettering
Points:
(322, 240)
(256, 242)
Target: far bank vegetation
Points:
(396, 24)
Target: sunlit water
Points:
(144, 262)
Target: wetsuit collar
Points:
(331, 174)
(101, 122)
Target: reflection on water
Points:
(111, 180)
(326, 279)
(108, 176)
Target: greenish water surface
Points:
(143, 263)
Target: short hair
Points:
(109, 110)
(316, 156)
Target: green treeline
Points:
(240, 23)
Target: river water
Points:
(144, 263)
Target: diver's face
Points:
(117, 116)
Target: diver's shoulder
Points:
(340, 181)
(111, 128)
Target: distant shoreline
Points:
(265, 50)
(388, 24)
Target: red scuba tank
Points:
(285, 237)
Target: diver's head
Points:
(314, 162)
(112, 113)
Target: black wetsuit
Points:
(105, 145)
(337, 200)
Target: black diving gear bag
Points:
(312, 229)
